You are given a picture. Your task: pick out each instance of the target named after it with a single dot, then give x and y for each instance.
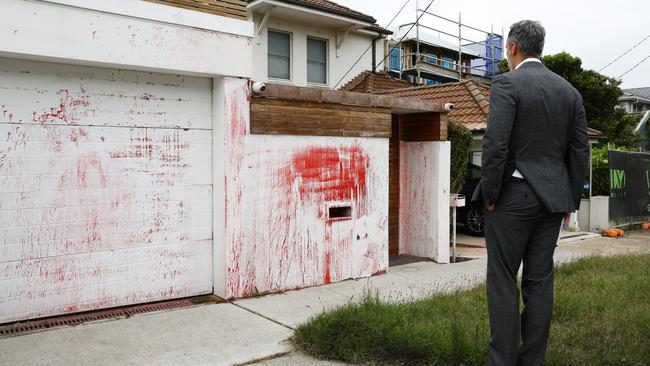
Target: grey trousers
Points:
(519, 229)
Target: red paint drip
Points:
(332, 174)
(328, 265)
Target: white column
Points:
(424, 199)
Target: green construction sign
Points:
(629, 177)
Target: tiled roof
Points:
(471, 100)
(330, 7)
(373, 82)
(594, 133)
(638, 92)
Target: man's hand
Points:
(566, 217)
(489, 206)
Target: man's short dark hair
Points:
(529, 36)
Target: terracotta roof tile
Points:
(591, 132)
(470, 99)
(372, 82)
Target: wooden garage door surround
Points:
(290, 110)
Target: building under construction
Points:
(419, 54)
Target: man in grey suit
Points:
(535, 156)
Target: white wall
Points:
(277, 233)
(93, 152)
(77, 34)
(424, 199)
(339, 62)
(105, 188)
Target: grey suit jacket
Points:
(536, 125)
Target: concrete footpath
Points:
(255, 331)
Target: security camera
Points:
(259, 87)
(449, 107)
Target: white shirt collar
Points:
(530, 59)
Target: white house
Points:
(137, 164)
(313, 43)
(111, 156)
(636, 100)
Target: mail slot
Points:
(343, 212)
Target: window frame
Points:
(290, 34)
(327, 60)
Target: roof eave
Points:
(366, 19)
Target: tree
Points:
(600, 95)
(503, 66)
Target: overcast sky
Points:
(597, 31)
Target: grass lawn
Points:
(601, 317)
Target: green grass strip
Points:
(601, 317)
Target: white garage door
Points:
(105, 188)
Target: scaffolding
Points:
(475, 59)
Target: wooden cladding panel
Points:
(229, 8)
(423, 127)
(393, 188)
(285, 117)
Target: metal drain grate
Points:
(120, 312)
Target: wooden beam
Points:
(286, 117)
(318, 95)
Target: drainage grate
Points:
(89, 316)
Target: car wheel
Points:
(474, 222)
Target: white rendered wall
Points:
(339, 62)
(277, 235)
(50, 31)
(424, 199)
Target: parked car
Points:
(471, 216)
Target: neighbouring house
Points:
(425, 59)
(636, 100)
(134, 168)
(312, 42)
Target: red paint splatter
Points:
(74, 136)
(87, 165)
(332, 174)
(61, 113)
(328, 264)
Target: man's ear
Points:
(514, 48)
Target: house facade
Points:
(138, 163)
(636, 100)
(109, 154)
(312, 43)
